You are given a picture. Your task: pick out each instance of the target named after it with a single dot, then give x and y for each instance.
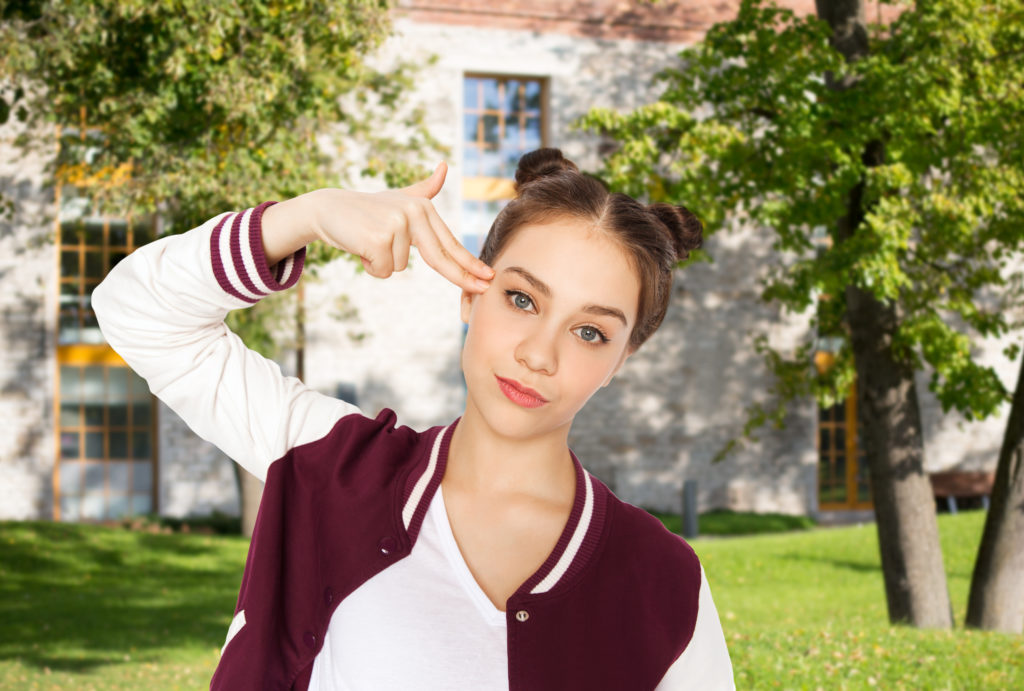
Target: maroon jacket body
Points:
(332, 517)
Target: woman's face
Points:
(556, 321)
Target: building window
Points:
(106, 423)
(105, 428)
(842, 466)
(503, 118)
(89, 247)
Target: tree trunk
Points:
(997, 587)
(250, 491)
(890, 425)
(888, 412)
(849, 29)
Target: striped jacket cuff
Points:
(236, 249)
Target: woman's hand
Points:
(378, 227)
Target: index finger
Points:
(446, 255)
(429, 186)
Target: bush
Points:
(725, 522)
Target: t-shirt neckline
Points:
(491, 614)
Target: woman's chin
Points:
(513, 422)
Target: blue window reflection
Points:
(502, 121)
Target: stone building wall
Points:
(396, 343)
(673, 406)
(195, 478)
(675, 403)
(951, 441)
(27, 323)
(667, 21)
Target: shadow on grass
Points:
(74, 597)
(848, 564)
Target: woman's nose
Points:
(537, 351)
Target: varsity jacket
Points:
(614, 606)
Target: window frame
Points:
(823, 360)
(92, 355)
(79, 353)
(490, 190)
(490, 194)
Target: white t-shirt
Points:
(424, 623)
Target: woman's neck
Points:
(484, 462)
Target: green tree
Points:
(203, 105)
(186, 108)
(903, 145)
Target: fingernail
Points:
(483, 285)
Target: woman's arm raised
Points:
(162, 309)
(379, 228)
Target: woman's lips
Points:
(519, 394)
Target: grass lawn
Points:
(807, 611)
(84, 607)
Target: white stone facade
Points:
(28, 315)
(676, 402)
(397, 342)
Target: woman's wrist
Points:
(288, 226)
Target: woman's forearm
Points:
(289, 226)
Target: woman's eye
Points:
(591, 335)
(520, 300)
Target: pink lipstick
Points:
(519, 394)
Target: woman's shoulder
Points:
(657, 568)
(366, 446)
(645, 537)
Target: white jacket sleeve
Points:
(162, 309)
(705, 664)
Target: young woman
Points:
(479, 555)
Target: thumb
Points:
(429, 187)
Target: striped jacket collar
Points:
(575, 545)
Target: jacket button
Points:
(522, 615)
(387, 545)
(328, 597)
(309, 638)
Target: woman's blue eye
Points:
(591, 334)
(522, 301)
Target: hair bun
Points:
(542, 163)
(686, 229)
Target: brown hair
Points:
(655, 236)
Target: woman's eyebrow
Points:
(539, 285)
(542, 288)
(606, 311)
